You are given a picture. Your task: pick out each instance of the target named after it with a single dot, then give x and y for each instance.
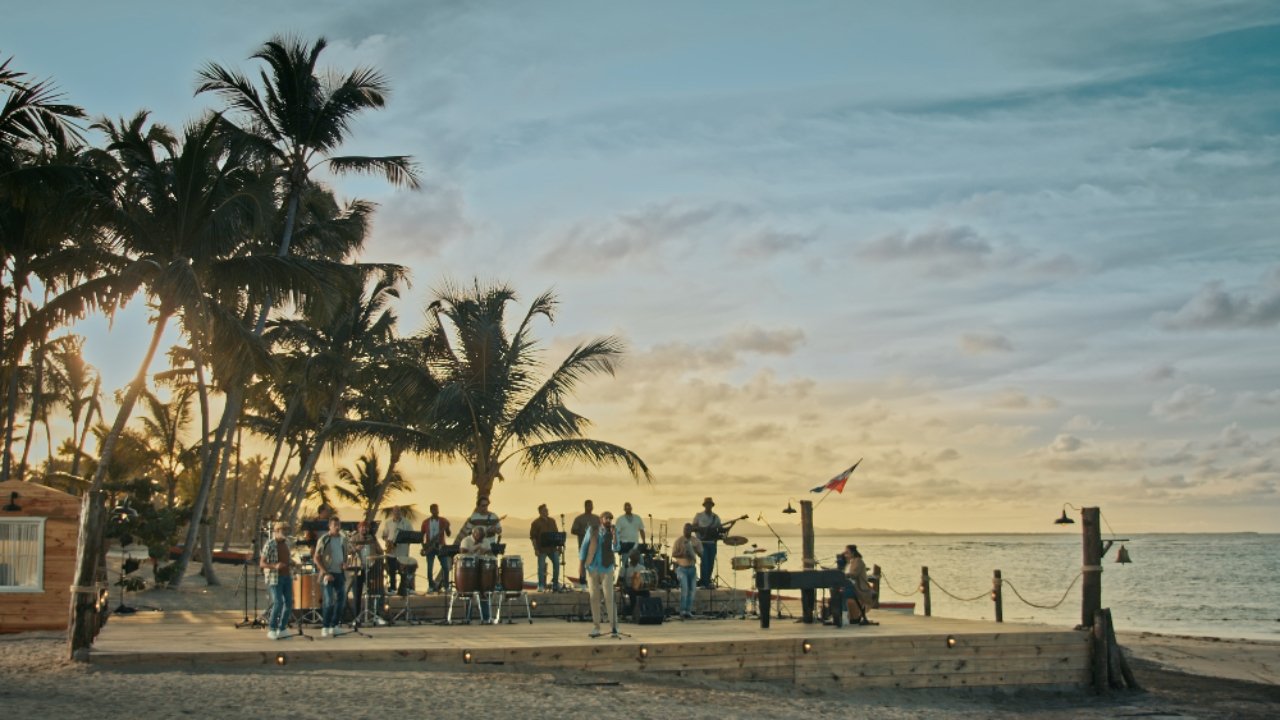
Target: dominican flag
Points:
(837, 483)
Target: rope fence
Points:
(985, 594)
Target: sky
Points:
(1013, 255)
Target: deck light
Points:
(951, 641)
(806, 646)
(281, 659)
(644, 652)
(466, 657)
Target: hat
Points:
(708, 501)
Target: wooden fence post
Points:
(924, 590)
(997, 595)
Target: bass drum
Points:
(466, 575)
(307, 592)
(512, 573)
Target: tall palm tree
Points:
(298, 120)
(491, 408)
(165, 424)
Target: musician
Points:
(630, 526)
(857, 588)
(708, 526)
(366, 546)
(331, 551)
(397, 554)
(435, 535)
(481, 516)
(323, 513)
(599, 554)
(685, 551)
(275, 564)
(477, 543)
(542, 525)
(579, 528)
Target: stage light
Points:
(951, 641)
(281, 659)
(466, 657)
(806, 646)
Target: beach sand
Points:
(1182, 677)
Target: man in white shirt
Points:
(476, 543)
(630, 528)
(391, 528)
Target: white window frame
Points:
(39, 522)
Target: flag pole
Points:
(824, 497)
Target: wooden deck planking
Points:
(903, 651)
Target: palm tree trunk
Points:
(235, 494)
(89, 549)
(37, 400)
(208, 455)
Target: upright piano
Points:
(806, 581)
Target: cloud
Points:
(590, 247)
(958, 247)
(765, 342)
(1159, 373)
(1214, 308)
(1081, 423)
(1066, 444)
(1018, 400)
(416, 226)
(1168, 482)
(1186, 402)
(1268, 398)
(771, 243)
(984, 343)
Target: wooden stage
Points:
(903, 651)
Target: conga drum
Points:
(488, 574)
(306, 591)
(644, 579)
(466, 574)
(512, 573)
(376, 578)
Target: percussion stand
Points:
(367, 615)
(256, 622)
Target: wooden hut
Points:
(38, 531)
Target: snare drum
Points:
(743, 562)
(488, 574)
(466, 575)
(307, 594)
(644, 579)
(512, 573)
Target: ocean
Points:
(1209, 585)
(1214, 585)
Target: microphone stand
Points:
(781, 546)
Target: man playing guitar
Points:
(435, 535)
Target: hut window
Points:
(21, 555)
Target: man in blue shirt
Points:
(599, 554)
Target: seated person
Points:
(857, 588)
(477, 543)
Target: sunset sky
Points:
(1013, 254)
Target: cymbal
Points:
(735, 540)
(756, 550)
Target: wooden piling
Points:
(997, 595)
(925, 590)
(1091, 583)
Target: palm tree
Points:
(491, 408)
(366, 488)
(165, 424)
(298, 120)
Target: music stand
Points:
(407, 537)
(556, 540)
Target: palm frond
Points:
(595, 452)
